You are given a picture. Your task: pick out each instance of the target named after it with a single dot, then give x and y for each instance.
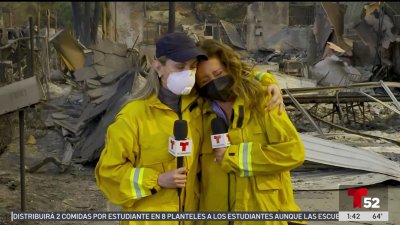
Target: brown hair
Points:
(245, 85)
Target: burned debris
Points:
(345, 56)
(337, 64)
(102, 75)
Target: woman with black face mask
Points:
(251, 172)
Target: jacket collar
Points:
(187, 101)
(241, 114)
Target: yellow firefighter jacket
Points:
(136, 152)
(266, 79)
(255, 172)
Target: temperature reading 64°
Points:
(377, 216)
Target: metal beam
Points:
(344, 98)
(355, 85)
(297, 104)
(391, 95)
(380, 102)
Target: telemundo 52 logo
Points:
(356, 198)
(361, 199)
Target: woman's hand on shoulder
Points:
(276, 99)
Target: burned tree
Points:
(86, 21)
(171, 18)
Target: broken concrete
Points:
(268, 28)
(335, 16)
(115, 62)
(95, 93)
(265, 19)
(108, 47)
(363, 55)
(100, 84)
(95, 83)
(103, 70)
(111, 77)
(85, 73)
(98, 56)
(233, 34)
(332, 71)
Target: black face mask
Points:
(218, 89)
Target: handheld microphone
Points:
(180, 134)
(220, 137)
(180, 145)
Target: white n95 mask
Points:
(181, 83)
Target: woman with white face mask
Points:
(136, 170)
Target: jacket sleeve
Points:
(283, 152)
(265, 78)
(116, 173)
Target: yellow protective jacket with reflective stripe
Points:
(136, 152)
(265, 78)
(255, 172)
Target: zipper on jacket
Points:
(229, 196)
(180, 204)
(180, 108)
(229, 192)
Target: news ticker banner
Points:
(200, 216)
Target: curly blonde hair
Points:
(245, 85)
